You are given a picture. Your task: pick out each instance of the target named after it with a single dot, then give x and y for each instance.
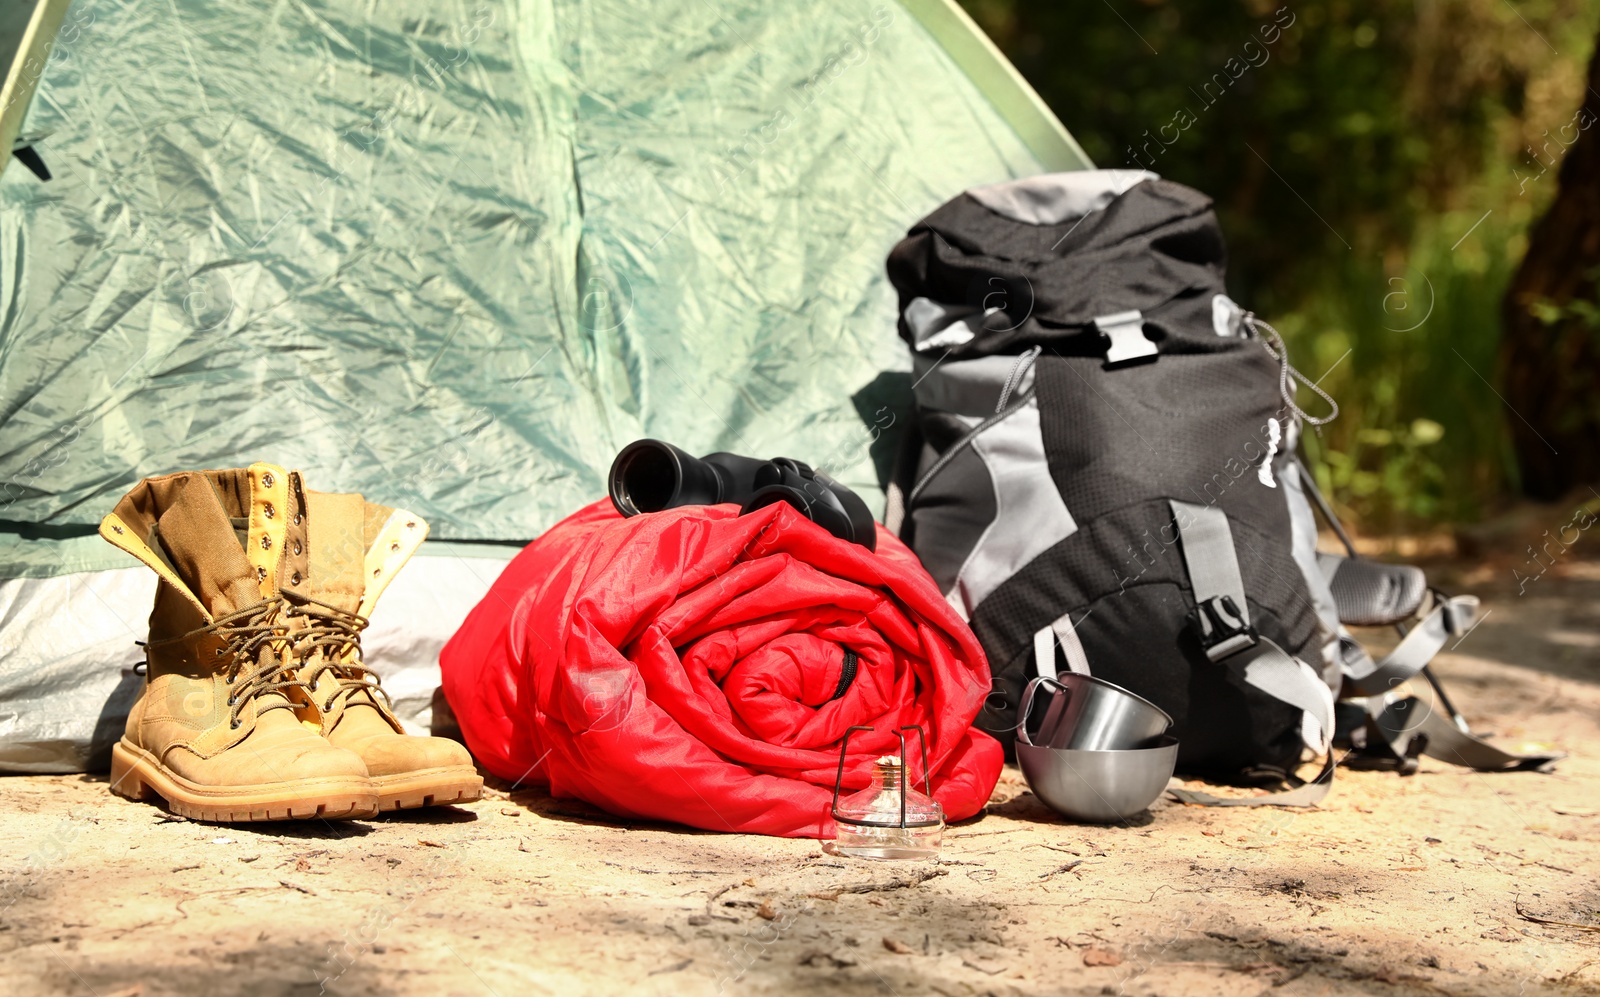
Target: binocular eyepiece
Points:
(649, 476)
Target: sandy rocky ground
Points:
(1446, 882)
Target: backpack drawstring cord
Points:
(1017, 370)
(1272, 341)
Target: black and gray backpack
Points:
(1101, 476)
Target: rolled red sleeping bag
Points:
(694, 665)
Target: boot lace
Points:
(336, 634)
(246, 634)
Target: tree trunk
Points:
(1550, 354)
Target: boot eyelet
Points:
(219, 654)
(376, 572)
(261, 574)
(297, 548)
(266, 543)
(266, 479)
(394, 546)
(234, 725)
(327, 706)
(294, 579)
(229, 681)
(266, 510)
(297, 518)
(230, 701)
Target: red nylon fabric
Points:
(680, 666)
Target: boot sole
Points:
(138, 775)
(428, 788)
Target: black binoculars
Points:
(649, 475)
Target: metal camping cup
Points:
(1091, 714)
(1101, 753)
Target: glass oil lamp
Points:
(891, 818)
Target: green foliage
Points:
(1421, 437)
(1584, 312)
(1351, 148)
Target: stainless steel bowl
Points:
(1098, 787)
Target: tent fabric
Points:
(452, 256)
(694, 666)
(456, 255)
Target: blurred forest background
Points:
(1377, 167)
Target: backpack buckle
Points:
(1125, 338)
(1221, 627)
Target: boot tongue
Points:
(199, 540)
(336, 536)
(374, 518)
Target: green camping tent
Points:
(452, 256)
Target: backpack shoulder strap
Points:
(1395, 718)
(1365, 677)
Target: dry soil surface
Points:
(1447, 881)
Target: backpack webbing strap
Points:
(1306, 795)
(1365, 677)
(1223, 618)
(1064, 633)
(1397, 721)
(1449, 743)
(1286, 678)
(1207, 543)
(1222, 621)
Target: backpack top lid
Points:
(1057, 198)
(1037, 261)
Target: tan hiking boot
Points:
(214, 731)
(356, 548)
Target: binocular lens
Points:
(644, 479)
(649, 476)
